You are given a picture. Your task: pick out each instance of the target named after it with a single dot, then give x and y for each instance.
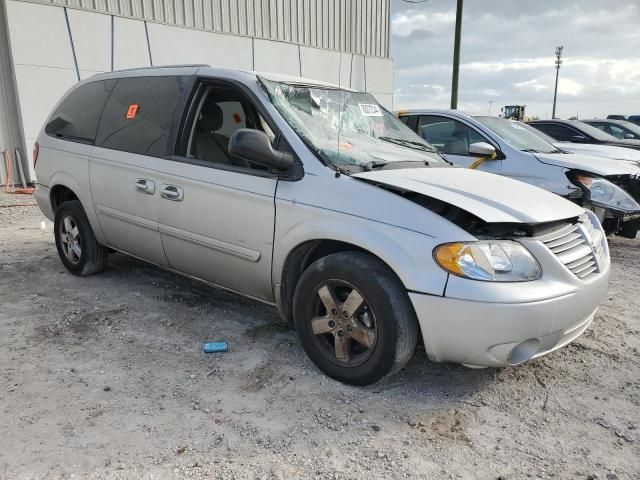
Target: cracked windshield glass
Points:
(350, 130)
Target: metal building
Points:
(48, 45)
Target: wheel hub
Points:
(347, 318)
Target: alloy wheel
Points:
(70, 240)
(343, 323)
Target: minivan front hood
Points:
(490, 197)
(598, 165)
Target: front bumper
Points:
(499, 324)
(503, 334)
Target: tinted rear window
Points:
(139, 115)
(77, 117)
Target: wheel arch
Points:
(59, 194)
(64, 187)
(412, 274)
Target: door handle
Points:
(171, 192)
(145, 186)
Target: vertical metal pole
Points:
(555, 91)
(456, 57)
(555, 94)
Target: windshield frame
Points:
(336, 142)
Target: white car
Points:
(316, 200)
(513, 149)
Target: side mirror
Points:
(629, 136)
(578, 138)
(483, 149)
(254, 146)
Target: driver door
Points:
(453, 138)
(217, 212)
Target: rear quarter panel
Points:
(65, 163)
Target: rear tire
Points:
(354, 318)
(77, 246)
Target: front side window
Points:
(139, 115)
(448, 135)
(77, 117)
(221, 111)
(629, 128)
(348, 129)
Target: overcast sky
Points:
(508, 55)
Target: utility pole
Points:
(555, 91)
(456, 57)
(490, 105)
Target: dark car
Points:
(630, 118)
(579, 132)
(621, 129)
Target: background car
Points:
(631, 118)
(513, 149)
(576, 131)
(612, 152)
(620, 129)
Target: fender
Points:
(403, 250)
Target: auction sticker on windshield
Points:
(370, 110)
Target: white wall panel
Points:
(38, 97)
(359, 26)
(358, 81)
(39, 35)
(173, 45)
(130, 44)
(276, 57)
(345, 69)
(320, 64)
(92, 39)
(379, 74)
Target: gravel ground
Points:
(103, 377)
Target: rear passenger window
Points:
(139, 115)
(77, 117)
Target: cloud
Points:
(508, 55)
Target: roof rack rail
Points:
(155, 67)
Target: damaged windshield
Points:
(350, 130)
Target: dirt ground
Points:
(103, 377)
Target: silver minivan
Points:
(316, 200)
(609, 188)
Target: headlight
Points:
(488, 260)
(603, 193)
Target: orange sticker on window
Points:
(237, 118)
(132, 111)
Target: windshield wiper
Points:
(407, 143)
(374, 164)
(531, 150)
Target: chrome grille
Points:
(579, 246)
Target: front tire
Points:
(354, 318)
(77, 246)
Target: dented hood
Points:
(490, 197)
